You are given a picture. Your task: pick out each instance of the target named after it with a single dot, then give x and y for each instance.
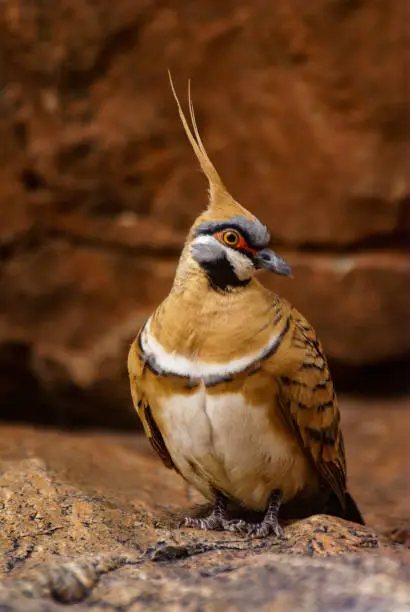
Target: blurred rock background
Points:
(304, 108)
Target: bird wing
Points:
(136, 367)
(309, 405)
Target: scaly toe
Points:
(193, 523)
(190, 522)
(263, 530)
(236, 526)
(210, 523)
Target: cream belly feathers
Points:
(223, 442)
(231, 382)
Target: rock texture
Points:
(303, 108)
(90, 521)
(273, 582)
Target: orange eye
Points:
(231, 238)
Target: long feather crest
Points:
(215, 184)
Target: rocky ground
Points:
(89, 520)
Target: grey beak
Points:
(267, 259)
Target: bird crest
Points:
(221, 204)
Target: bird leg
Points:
(268, 526)
(270, 523)
(217, 520)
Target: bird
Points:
(231, 382)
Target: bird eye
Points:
(230, 238)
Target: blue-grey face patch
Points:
(255, 233)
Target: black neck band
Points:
(221, 275)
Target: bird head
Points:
(226, 240)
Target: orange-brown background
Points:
(304, 108)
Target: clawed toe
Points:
(218, 521)
(236, 526)
(190, 522)
(215, 523)
(252, 530)
(264, 529)
(209, 523)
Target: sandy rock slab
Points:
(90, 521)
(270, 581)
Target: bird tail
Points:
(352, 512)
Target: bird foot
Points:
(216, 523)
(268, 526)
(213, 522)
(265, 529)
(255, 530)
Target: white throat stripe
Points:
(178, 365)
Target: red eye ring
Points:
(235, 240)
(231, 238)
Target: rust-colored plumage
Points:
(231, 382)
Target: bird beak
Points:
(266, 259)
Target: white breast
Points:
(180, 365)
(221, 441)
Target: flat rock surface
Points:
(90, 520)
